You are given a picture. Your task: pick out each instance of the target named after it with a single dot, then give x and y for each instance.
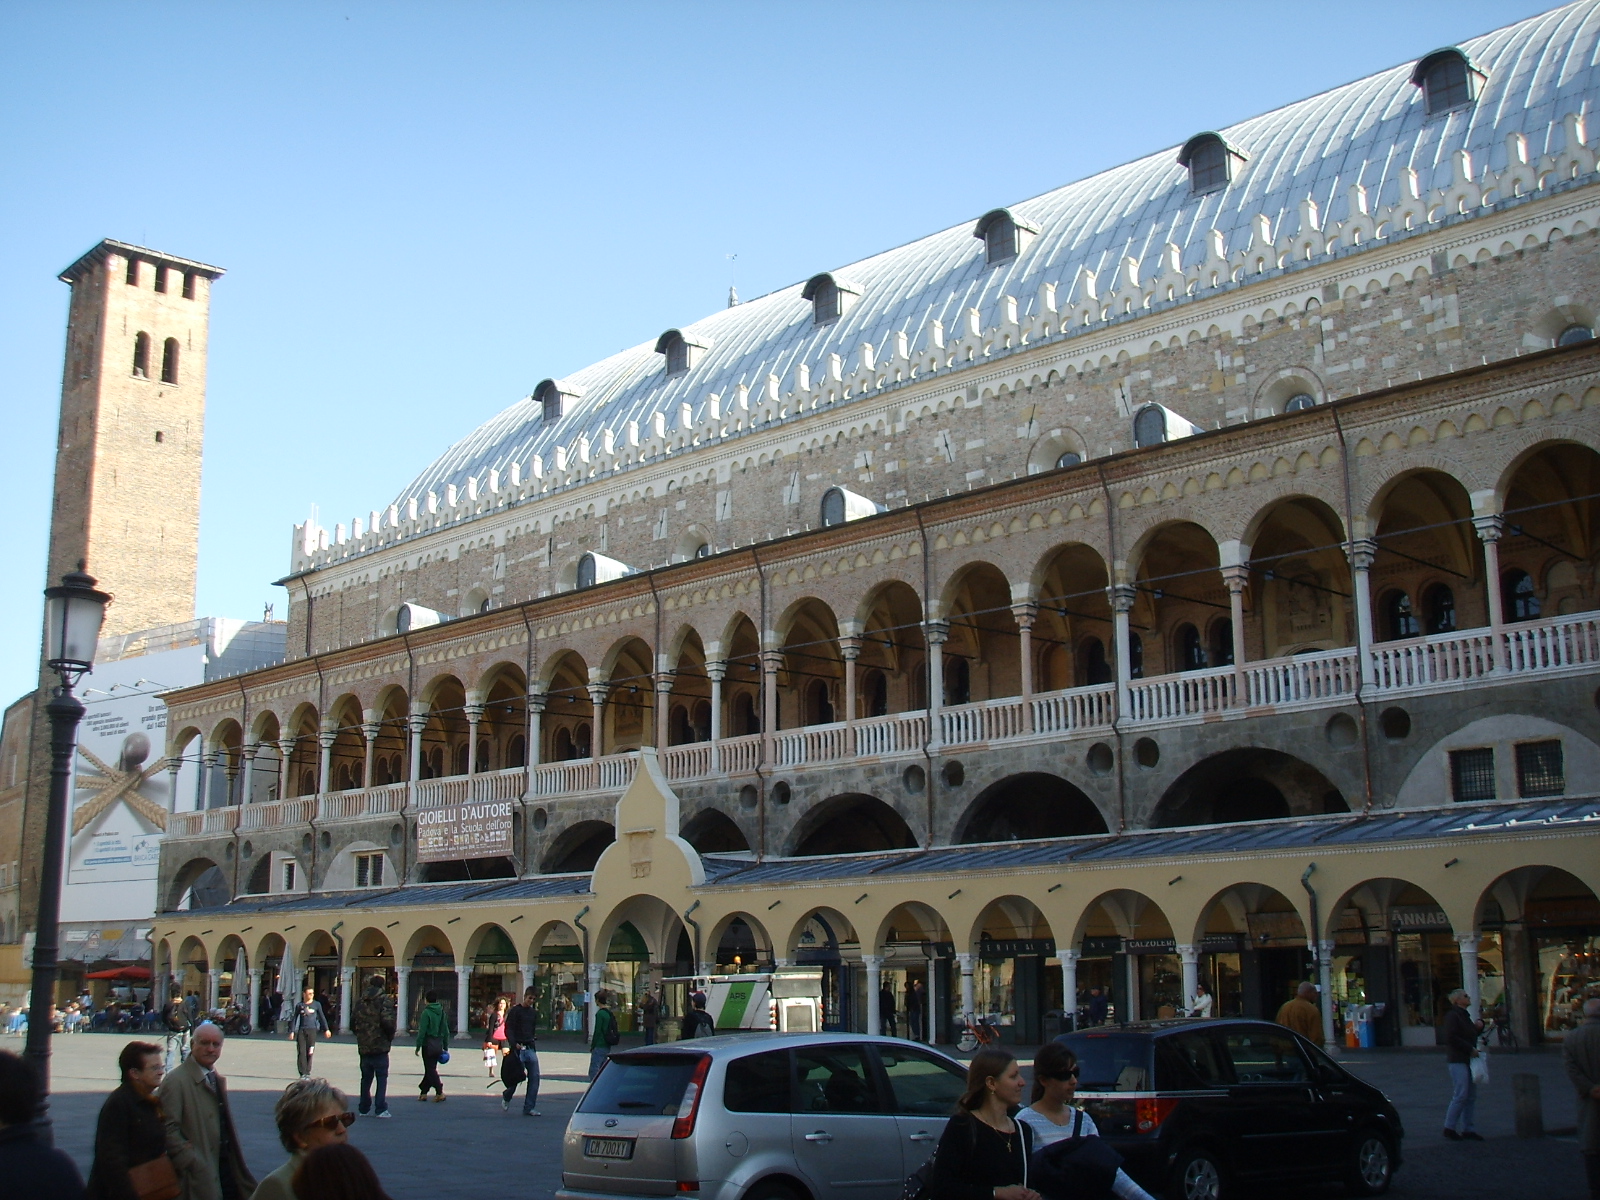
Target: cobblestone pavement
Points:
(469, 1147)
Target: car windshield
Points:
(638, 1085)
(1110, 1062)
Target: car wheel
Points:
(1371, 1164)
(1197, 1175)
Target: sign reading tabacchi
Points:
(464, 831)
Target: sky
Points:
(424, 209)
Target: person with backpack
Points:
(433, 1035)
(1092, 1171)
(373, 1023)
(697, 1021)
(983, 1153)
(606, 1034)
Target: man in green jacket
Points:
(606, 1034)
(433, 1035)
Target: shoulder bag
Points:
(154, 1180)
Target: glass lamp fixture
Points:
(74, 612)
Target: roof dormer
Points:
(1448, 80)
(1211, 162)
(682, 350)
(553, 394)
(1004, 235)
(831, 297)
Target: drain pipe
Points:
(1116, 696)
(929, 782)
(688, 919)
(1363, 652)
(1323, 961)
(588, 970)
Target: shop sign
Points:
(1150, 946)
(464, 831)
(1219, 942)
(1418, 918)
(1275, 929)
(1102, 945)
(1015, 947)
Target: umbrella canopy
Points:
(126, 974)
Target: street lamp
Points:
(73, 612)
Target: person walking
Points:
(650, 1015)
(494, 1033)
(1099, 1006)
(605, 1035)
(983, 1153)
(30, 1168)
(311, 1113)
(1580, 1052)
(697, 1021)
(337, 1172)
(1460, 1048)
(1301, 1014)
(373, 1023)
(307, 1020)
(886, 1015)
(433, 1035)
(522, 1025)
(131, 1134)
(1200, 1004)
(914, 1008)
(194, 1097)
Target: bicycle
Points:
(978, 1032)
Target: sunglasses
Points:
(330, 1123)
(1072, 1074)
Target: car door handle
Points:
(819, 1136)
(922, 1135)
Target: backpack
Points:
(610, 1033)
(1076, 1168)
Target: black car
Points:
(1195, 1107)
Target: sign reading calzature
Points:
(464, 831)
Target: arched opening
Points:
(227, 750)
(1128, 968)
(1180, 591)
(1539, 957)
(432, 960)
(811, 684)
(141, 355)
(741, 687)
(1300, 582)
(566, 721)
(1252, 951)
(1425, 537)
(826, 939)
(630, 699)
(200, 883)
(1029, 806)
(169, 361)
(390, 758)
(578, 847)
(347, 760)
(1012, 988)
(1247, 784)
(444, 736)
(503, 725)
(981, 654)
(711, 831)
(849, 824)
(1552, 533)
(691, 694)
(891, 670)
(1394, 946)
(742, 945)
(920, 997)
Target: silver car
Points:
(760, 1116)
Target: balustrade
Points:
(1442, 658)
(1075, 709)
(985, 721)
(1193, 693)
(1319, 678)
(609, 774)
(274, 815)
(1571, 641)
(364, 802)
(897, 733)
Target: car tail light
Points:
(688, 1185)
(689, 1106)
(1150, 1111)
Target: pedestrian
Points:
(194, 1097)
(337, 1172)
(886, 1016)
(1099, 1006)
(697, 1021)
(605, 1035)
(311, 1113)
(494, 1033)
(307, 1020)
(1200, 1004)
(650, 1015)
(130, 1137)
(275, 1013)
(191, 1002)
(983, 1153)
(1461, 1032)
(522, 1024)
(373, 1022)
(30, 1168)
(1581, 1053)
(1053, 1117)
(1301, 1013)
(914, 1008)
(433, 1035)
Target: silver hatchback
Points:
(760, 1116)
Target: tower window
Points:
(1299, 401)
(1004, 236)
(141, 355)
(1150, 426)
(586, 571)
(1210, 162)
(1573, 334)
(1472, 774)
(132, 277)
(161, 279)
(1448, 80)
(169, 361)
(188, 285)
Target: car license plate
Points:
(603, 1147)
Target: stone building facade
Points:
(1262, 504)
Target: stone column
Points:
(1236, 579)
(213, 986)
(1026, 614)
(402, 1011)
(771, 664)
(371, 726)
(1363, 552)
(247, 753)
(597, 720)
(716, 671)
(1069, 988)
(1468, 942)
(1122, 598)
(596, 977)
(527, 971)
(874, 966)
(937, 633)
(416, 724)
(967, 962)
(347, 980)
(1324, 952)
(463, 1018)
(850, 650)
(474, 710)
(326, 737)
(254, 1015)
(536, 706)
(1189, 956)
(664, 681)
(931, 1002)
(1489, 530)
(231, 773)
(174, 765)
(202, 790)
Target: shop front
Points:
(1564, 932)
(432, 970)
(819, 946)
(1427, 969)
(1221, 969)
(905, 977)
(1012, 989)
(494, 974)
(625, 971)
(1102, 968)
(1155, 978)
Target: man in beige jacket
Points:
(200, 1135)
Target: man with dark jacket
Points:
(1580, 1051)
(373, 1024)
(697, 1021)
(522, 1024)
(131, 1131)
(28, 1167)
(1460, 1048)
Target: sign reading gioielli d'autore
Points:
(464, 831)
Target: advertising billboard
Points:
(457, 831)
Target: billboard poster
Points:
(460, 831)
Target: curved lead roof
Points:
(1367, 132)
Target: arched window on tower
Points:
(832, 507)
(1399, 618)
(1439, 608)
(141, 355)
(1517, 595)
(169, 361)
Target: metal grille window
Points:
(1208, 166)
(1447, 85)
(1472, 774)
(369, 870)
(1541, 770)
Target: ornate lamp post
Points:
(73, 615)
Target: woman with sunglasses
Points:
(1052, 1117)
(311, 1113)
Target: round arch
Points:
(1246, 784)
(577, 848)
(982, 650)
(1539, 956)
(1029, 806)
(738, 941)
(199, 883)
(850, 823)
(712, 831)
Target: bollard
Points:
(1529, 1105)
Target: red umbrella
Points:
(127, 974)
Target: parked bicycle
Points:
(978, 1032)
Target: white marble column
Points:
(247, 756)
(850, 651)
(527, 970)
(1468, 943)
(202, 789)
(937, 633)
(663, 723)
(966, 962)
(326, 739)
(597, 701)
(1236, 579)
(1122, 598)
(1189, 957)
(716, 671)
(1069, 988)
(1489, 530)
(874, 965)
(347, 980)
(254, 1015)
(596, 976)
(1324, 952)
(213, 987)
(371, 726)
(402, 999)
(463, 1018)
(474, 711)
(771, 664)
(1363, 552)
(930, 1006)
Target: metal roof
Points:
(1367, 132)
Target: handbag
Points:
(1077, 1167)
(154, 1180)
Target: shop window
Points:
(1191, 651)
(141, 355)
(1439, 603)
(958, 681)
(1573, 334)
(1517, 596)
(1472, 774)
(1222, 642)
(1399, 619)
(1541, 770)
(369, 870)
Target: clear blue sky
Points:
(426, 209)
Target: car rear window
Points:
(758, 1083)
(639, 1085)
(1110, 1062)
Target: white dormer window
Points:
(1150, 426)
(552, 396)
(840, 505)
(1210, 161)
(1004, 235)
(681, 351)
(831, 297)
(1448, 80)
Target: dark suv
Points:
(1196, 1106)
